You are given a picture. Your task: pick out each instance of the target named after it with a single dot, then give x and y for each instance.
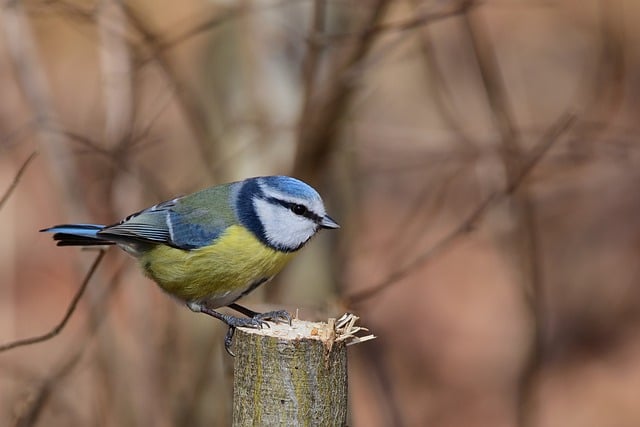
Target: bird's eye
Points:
(298, 209)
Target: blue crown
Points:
(292, 186)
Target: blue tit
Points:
(213, 247)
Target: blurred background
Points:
(479, 156)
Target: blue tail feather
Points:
(78, 235)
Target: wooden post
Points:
(290, 375)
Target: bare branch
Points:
(117, 74)
(72, 307)
(548, 140)
(199, 120)
(462, 229)
(403, 26)
(311, 61)
(319, 125)
(26, 60)
(471, 220)
(30, 414)
(17, 178)
(440, 92)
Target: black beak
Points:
(327, 222)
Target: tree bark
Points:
(290, 375)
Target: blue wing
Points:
(186, 222)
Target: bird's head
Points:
(283, 212)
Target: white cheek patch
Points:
(282, 227)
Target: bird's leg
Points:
(275, 316)
(233, 322)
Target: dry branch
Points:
(16, 179)
(70, 310)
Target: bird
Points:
(211, 248)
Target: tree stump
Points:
(290, 375)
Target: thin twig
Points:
(37, 402)
(402, 26)
(353, 73)
(439, 90)
(311, 62)
(136, 144)
(30, 412)
(72, 307)
(548, 140)
(468, 224)
(232, 13)
(461, 229)
(26, 59)
(117, 75)
(320, 125)
(201, 122)
(17, 178)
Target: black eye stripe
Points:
(290, 205)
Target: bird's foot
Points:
(276, 316)
(258, 320)
(233, 322)
(255, 320)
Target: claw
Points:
(275, 316)
(255, 320)
(228, 340)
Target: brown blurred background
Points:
(479, 155)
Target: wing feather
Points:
(187, 222)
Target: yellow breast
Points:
(219, 273)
